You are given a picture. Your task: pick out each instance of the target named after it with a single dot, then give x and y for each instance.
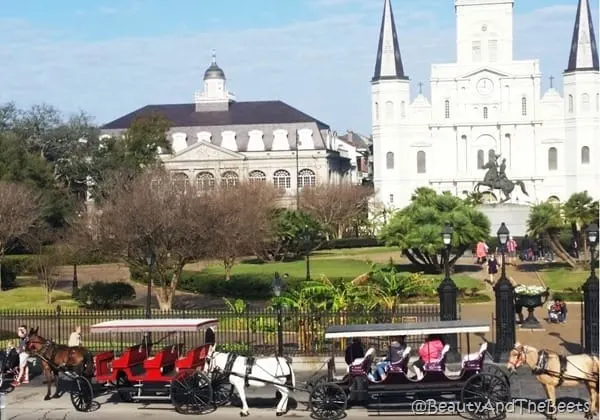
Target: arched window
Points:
(552, 159)
(391, 198)
(257, 176)
(389, 160)
(282, 179)
(585, 102)
(585, 155)
(598, 102)
(205, 181)
(523, 106)
(447, 108)
(229, 179)
(570, 103)
(389, 110)
(421, 162)
(485, 112)
(480, 159)
(403, 109)
(376, 111)
(306, 178)
(180, 181)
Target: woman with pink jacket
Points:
(430, 351)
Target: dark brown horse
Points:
(57, 357)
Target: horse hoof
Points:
(279, 414)
(244, 414)
(56, 396)
(47, 398)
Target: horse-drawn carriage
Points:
(483, 389)
(138, 374)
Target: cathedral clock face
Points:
(485, 86)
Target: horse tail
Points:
(293, 376)
(522, 185)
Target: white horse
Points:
(245, 371)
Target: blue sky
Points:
(109, 57)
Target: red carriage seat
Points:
(102, 363)
(165, 357)
(362, 365)
(475, 360)
(133, 355)
(193, 358)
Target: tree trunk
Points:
(48, 295)
(560, 251)
(164, 298)
(228, 265)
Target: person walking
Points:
(511, 249)
(75, 337)
(492, 268)
(481, 252)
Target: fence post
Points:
(58, 311)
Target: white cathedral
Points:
(484, 105)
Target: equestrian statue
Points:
(495, 178)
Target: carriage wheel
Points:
(82, 394)
(327, 401)
(222, 390)
(496, 371)
(1, 377)
(191, 393)
(485, 397)
(320, 379)
(122, 382)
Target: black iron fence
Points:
(249, 332)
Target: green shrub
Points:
(251, 287)
(104, 295)
(365, 242)
(241, 349)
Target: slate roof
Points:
(239, 113)
(355, 139)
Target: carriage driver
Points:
(23, 357)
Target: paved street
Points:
(26, 403)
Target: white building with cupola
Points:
(219, 140)
(486, 103)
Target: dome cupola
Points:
(214, 71)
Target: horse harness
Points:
(541, 367)
(231, 358)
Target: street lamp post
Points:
(505, 305)
(75, 285)
(277, 286)
(308, 244)
(447, 289)
(590, 296)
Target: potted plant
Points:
(531, 297)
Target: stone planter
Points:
(531, 302)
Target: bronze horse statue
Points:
(506, 186)
(58, 357)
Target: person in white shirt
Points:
(75, 337)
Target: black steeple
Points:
(389, 61)
(584, 52)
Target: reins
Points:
(592, 377)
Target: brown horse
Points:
(553, 370)
(57, 357)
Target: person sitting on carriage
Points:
(10, 357)
(430, 351)
(394, 355)
(23, 358)
(354, 351)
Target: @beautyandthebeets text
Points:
(517, 406)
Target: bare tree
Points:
(20, 210)
(150, 215)
(243, 220)
(337, 206)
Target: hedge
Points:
(565, 240)
(362, 242)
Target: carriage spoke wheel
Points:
(222, 390)
(327, 401)
(82, 394)
(192, 393)
(485, 396)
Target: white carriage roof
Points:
(417, 328)
(154, 325)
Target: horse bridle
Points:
(521, 357)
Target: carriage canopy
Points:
(417, 328)
(155, 325)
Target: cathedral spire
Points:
(389, 62)
(584, 52)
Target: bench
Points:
(402, 364)
(362, 365)
(193, 358)
(475, 360)
(132, 356)
(439, 364)
(166, 357)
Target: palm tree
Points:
(546, 221)
(581, 210)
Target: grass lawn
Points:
(562, 278)
(33, 298)
(344, 268)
